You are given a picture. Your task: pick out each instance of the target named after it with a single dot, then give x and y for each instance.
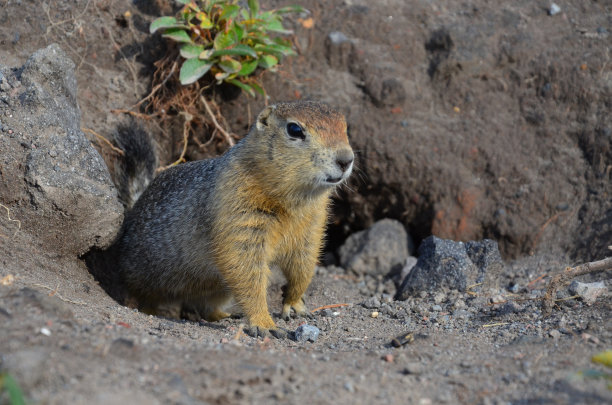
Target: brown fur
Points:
(211, 230)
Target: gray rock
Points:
(306, 332)
(66, 182)
(411, 261)
(441, 264)
(588, 291)
(381, 249)
(446, 264)
(485, 255)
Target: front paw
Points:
(258, 331)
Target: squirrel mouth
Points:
(333, 180)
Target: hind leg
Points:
(211, 307)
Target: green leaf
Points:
(163, 22)
(268, 61)
(189, 51)
(248, 67)
(258, 89)
(205, 22)
(177, 34)
(223, 40)
(254, 7)
(8, 384)
(183, 1)
(243, 50)
(193, 69)
(229, 11)
(206, 54)
(275, 25)
(229, 65)
(277, 50)
(290, 9)
(238, 31)
(243, 86)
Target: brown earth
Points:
(470, 119)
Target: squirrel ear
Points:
(262, 119)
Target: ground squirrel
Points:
(206, 231)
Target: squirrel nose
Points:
(344, 159)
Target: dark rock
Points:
(379, 250)
(445, 264)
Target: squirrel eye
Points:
(295, 131)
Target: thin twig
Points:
(106, 141)
(495, 324)
(535, 280)
(156, 88)
(55, 293)
(181, 159)
(548, 301)
(227, 136)
(328, 307)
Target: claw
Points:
(280, 333)
(256, 331)
(299, 308)
(259, 332)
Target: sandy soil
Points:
(66, 341)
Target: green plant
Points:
(227, 39)
(8, 384)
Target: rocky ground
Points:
(471, 121)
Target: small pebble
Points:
(337, 37)
(436, 308)
(439, 297)
(327, 312)
(459, 304)
(307, 332)
(388, 358)
(588, 291)
(414, 368)
(349, 387)
(555, 334)
(554, 9)
(371, 303)
(45, 331)
(374, 314)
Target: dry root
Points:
(548, 301)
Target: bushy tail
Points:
(135, 170)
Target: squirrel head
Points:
(305, 145)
